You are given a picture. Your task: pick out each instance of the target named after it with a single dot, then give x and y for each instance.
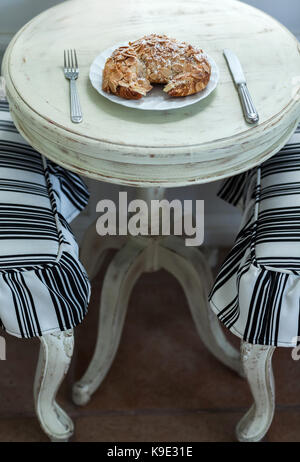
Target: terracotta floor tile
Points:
(202, 426)
(285, 426)
(19, 429)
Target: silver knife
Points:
(250, 112)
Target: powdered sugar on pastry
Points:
(156, 59)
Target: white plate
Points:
(156, 99)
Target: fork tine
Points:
(69, 62)
(72, 61)
(76, 62)
(73, 56)
(65, 60)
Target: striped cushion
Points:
(43, 286)
(257, 291)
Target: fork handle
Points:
(76, 114)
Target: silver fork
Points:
(71, 72)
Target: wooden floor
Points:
(163, 386)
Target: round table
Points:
(195, 144)
(148, 149)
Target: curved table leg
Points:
(123, 271)
(191, 269)
(55, 355)
(257, 362)
(93, 249)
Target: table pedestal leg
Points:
(123, 271)
(147, 254)
(190, 268)
(93, 249)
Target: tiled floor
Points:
(163, 385)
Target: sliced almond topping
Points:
(157, 59)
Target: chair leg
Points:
(55, 355)
(257, 363)
(123, 271)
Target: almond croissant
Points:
(155, 59)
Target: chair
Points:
(257, 291)
(44, 289)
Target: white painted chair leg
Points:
(123, 271)
(257, 362)
(93, 249)
(55, 355)
(191, 269)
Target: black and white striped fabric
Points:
(43, 286)
(257, 291)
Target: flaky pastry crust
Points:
(156, 59)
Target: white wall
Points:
(15, 13)
(221, 220)
(286, 11)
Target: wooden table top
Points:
(195, 144)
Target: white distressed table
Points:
(152, 150)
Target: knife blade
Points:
(250, 112)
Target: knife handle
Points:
(251, 114)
